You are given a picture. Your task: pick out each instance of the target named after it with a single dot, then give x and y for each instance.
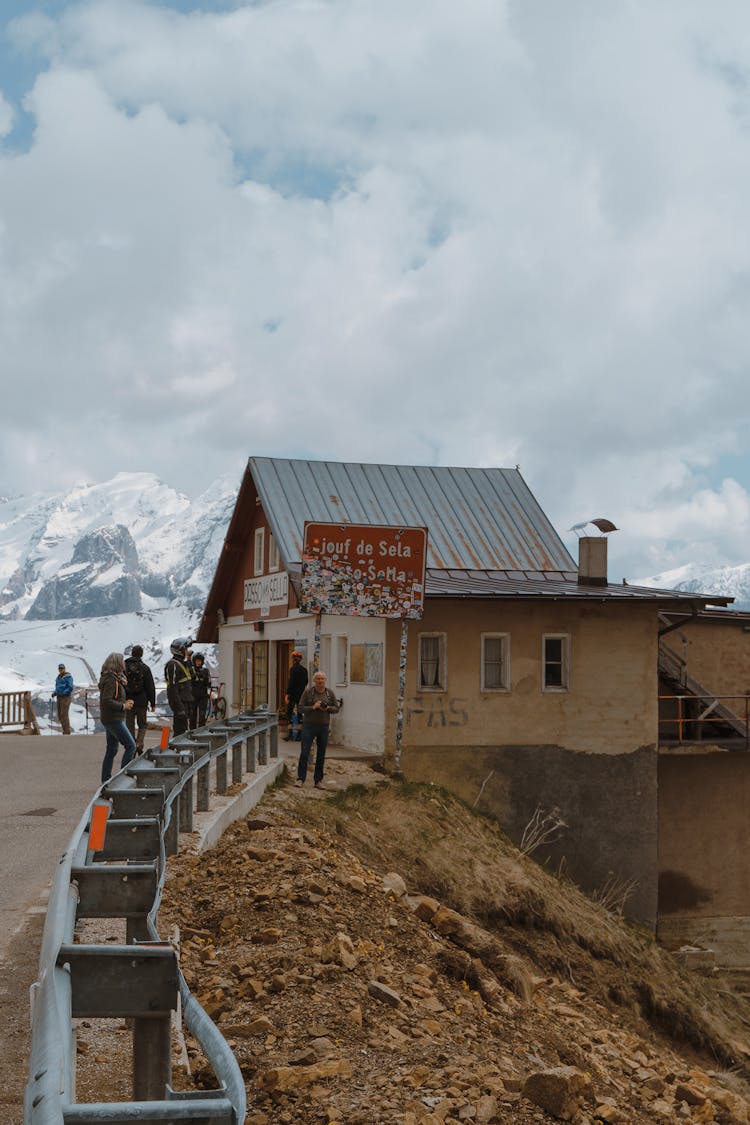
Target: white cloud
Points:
(494, 232)
(6, 116)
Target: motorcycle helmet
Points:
(180, 645)
(198, 656)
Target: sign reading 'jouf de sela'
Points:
(366, 570)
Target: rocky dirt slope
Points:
(382, 954)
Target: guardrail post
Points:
(263, 747)
(172, 831)
(274, 734)
(136, 929)
(186, 807)
(237, 761)
(202, 802)
(152, 1057)
(221, 772)
(251, 753)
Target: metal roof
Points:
(477, 519)
(547, 584)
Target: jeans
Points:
(117, 734)
(320, 734)
(294, 718)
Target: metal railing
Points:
(17, 710)
(121, 876)
(692, 716)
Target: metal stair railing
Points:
(715, 711)
(150, 802)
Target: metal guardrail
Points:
(122, 876)
(688, 717)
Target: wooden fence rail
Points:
(17, 710)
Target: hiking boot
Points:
(299, 783)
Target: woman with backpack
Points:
(113, 707)
(142, 691)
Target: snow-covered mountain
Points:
(63, 555)
(724, 581)
(97, 569)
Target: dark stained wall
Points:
(608, 802)
(704, 853)
(704, 837)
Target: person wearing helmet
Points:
(295, 687)
(201, 689)
(179, 677)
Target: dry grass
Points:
(443, 849)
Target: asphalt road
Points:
(47, 783)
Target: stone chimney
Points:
(592, 560)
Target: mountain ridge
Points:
(731, 581)
(175, 544)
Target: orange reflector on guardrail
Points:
(98, 827)
(164, 738)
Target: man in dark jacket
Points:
(142, 691)
(201, 689)
(295, 687)
(179, 676)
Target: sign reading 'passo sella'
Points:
(365, 570)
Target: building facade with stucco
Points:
(531, 681)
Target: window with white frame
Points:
(555, 662)
(432, 670)
(495, 675)
(258, 548)
(274, 560)
(340, 647)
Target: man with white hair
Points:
(316, 705)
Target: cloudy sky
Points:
(478, 233)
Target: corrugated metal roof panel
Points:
(477, 519)
(545, 584)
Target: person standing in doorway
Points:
(317, 704)
(297, 684)
(63, 693)
(113, 707)
(142, 691)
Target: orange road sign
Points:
(365, 570)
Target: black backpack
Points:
(136, 678)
